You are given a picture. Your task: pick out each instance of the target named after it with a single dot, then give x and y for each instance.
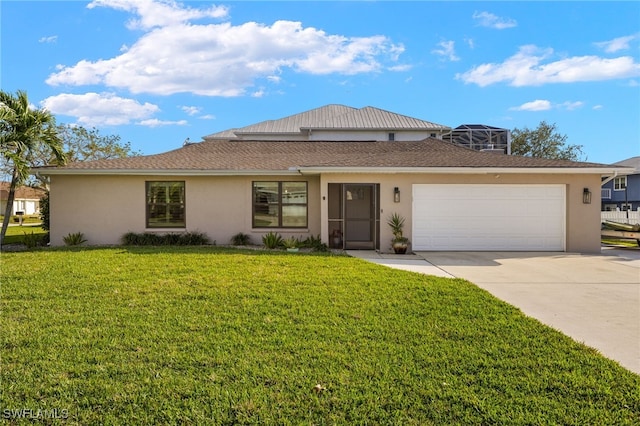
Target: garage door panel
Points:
(489, 217)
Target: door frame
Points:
(339, 226)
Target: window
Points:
(620, 183)
(610, 207)
(279, 204)
(165, 204)
(392, 136)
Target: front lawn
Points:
(142, 336)
(18, 234)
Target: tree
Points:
(544, 142)
(81, 144)
(22, 131)
(78, 144)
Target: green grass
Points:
(202, 335)
(34, 218)
(16, 234)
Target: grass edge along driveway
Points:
(219, 336)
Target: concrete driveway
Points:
(593, 298)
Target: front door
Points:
(354, 217)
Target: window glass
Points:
(280, 204)
(620, 183)
(294, 216)
(166, 205)
(294, 192)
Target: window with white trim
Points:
(620, 183)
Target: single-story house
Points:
(623, 192)
(26, 199)
(338, 172)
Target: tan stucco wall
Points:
(582, 220)
(106, 207)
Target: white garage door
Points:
(489, 217)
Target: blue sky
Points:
(157, 72)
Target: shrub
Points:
(44, 211)
(33, 240)
(193, 239)
(272, 240)
(315, 243)
(240, 239)
(171, 239)
(74, 239)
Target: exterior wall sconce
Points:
(396, 195)
(586, 196)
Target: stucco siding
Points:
(582, 220)
(371, 135)
(104, 208)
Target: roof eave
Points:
(409, 129)
(296, 170)
(604, 171)
(165, 172)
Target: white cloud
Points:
(570, 106)
(617, 44)
(159, 13)
(545, 105)
(447, 50)
(207, 117)
(49, 39)
(526, 68)
(402, 67)
(176, 56)
(96, 109)
(191, 110)
(537, 105)
(489, 20)
(597, 107)
(154, 122)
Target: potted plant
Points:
(399, 242)
(291, 244)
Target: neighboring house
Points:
(623, 192)
(26, 199)
(337, 172)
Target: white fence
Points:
(619, 216)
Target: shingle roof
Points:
(22, 192)
(332, 117)
(282, 156)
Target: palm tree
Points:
(22, 129)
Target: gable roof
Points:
(331, 117)
(284, 157)
(22, 192)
